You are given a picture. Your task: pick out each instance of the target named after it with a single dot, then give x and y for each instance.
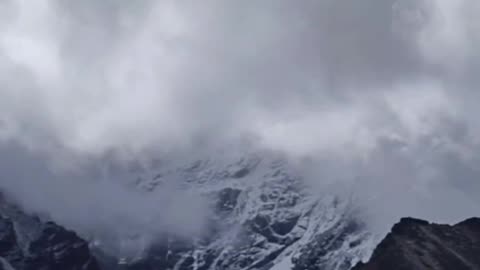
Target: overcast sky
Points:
(385, 89)
(95, 76)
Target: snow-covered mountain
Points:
(263, 216)
(256, 211)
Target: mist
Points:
(376, 96)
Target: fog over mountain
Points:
(375, 99)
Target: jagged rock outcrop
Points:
(263, 216)
(26, 243)
(417, 244)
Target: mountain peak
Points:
(417, 244)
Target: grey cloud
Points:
(159, 65)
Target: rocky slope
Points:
(26, 243)
(264, 217)
(416, 244)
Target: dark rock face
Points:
(7, 236)
(416, 244)
(227, 200)
(28, 244)
(57, 248)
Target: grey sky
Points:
(94, 76)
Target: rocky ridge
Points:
(417, 244)
(26, 243)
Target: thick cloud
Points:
(384, 91)
(94, 76)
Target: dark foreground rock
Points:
(416, 244)
(26, 243)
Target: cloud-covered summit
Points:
(381, 92)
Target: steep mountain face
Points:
(264, 217)
(26, 243)
(416, 244)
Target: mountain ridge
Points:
(263, 216)
(418, 244)
(28, 243)
(262, 213)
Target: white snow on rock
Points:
(266, 217)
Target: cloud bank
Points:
(88, 78)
